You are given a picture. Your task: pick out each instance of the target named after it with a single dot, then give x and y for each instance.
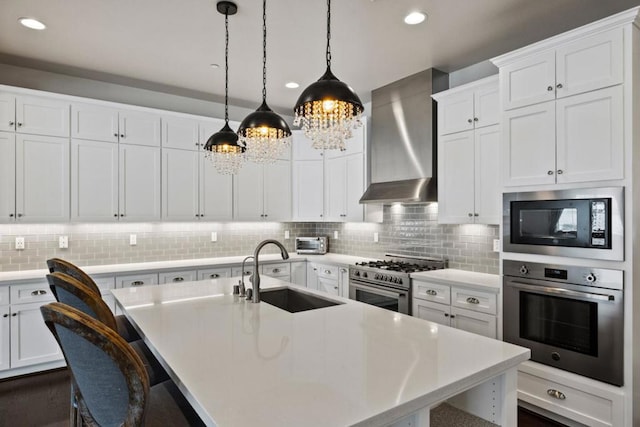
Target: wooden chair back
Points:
(62, 266)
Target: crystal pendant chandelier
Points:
(222, 147)
(328, 110)
(265, 134)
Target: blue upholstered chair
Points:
(111, 383)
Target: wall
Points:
(406, 229)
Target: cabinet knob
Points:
(121, 214)
(327, 272)
(431, 292)
(197, 145)
(122, 135)
(12, 123)
(11, 215)
(137, 283)
(115, 134)
(5, 315)
(38, 292)
(320, 215)
(178, 279)
(344, 270)
(19, 124)
(276, 270)
(335, 287)
(453, 316)
(470, 121)
(214, 276)
(19, 215)
(446, 315)
(475, 119)
(556, 394)
(559, 85)
(549, 88)
(560, 172)
(470, 214)
(115, 215)
(473, 300)
(14, 314)
(476, 214)
(549, 172)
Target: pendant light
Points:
(222, 147)
(265, 134)
(328, 109)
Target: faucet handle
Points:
(242, 289)
(236, 289)
(249, 294)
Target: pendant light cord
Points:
(264, 51)
(226, 68)
(328, 33)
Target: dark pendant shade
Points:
(264, 117)
(328, 88)
(224, 141)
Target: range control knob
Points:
(524, 269)
(591, 278)
(364, 274)
(357, 273)
(377, 276)
(400, 281)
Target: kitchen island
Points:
(246, 364)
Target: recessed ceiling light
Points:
(415, 18)
(214, 65)
(292, 85)
(34, 24)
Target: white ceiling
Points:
(169, 44)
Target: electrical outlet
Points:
(133, 239)
(19, 243)
(214, 236)
(376, 237)
(496, 245)
(286, 234)
(335, 234)
(63, 242)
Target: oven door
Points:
(384, 297)
(575, 328)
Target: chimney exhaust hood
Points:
(403, 150)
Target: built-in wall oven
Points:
(570, 317)
(582, 223)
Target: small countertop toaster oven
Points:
(312, 245)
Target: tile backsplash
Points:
(406, 229)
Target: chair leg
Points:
(74, 417)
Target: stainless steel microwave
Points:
(580, 223)
(312, 245)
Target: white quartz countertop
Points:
(451, 276)
(245, 364)
(182, 264)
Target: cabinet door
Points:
(249, 193)
(31, 340)
(277, 191)
(216, 193)
(7, 112)
(455, 178)
(471, 321)
(488, 184)
(94, 180)
(5, 344)
(354, 211)
(214, 273)
(308, 187)
(180, 184)
(139, 128)
(486, 106)
(590, 143)
(211, 126)
(312, 276)
(42, 178)
(529, 81)
(590, 63)
(177, 277)
(529, 145)
(455, 113)
(139, 183)
(94, 122)
(179, 132)
(335, 189)
(42, 116)
(431, 311)
(303, 149)
(7, 177)
(329, 286)
(344, 282)
(299, 273)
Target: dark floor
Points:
(42, 400)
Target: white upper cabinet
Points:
(7, 112)
(179, 132)
(277, 191)
(353, 145)
(96, 122)
(583, 65)
(303, 149)
(34, 115)
(344, 185)
(139, 170)
(7, 176)
(468, 107)
(180, 184)
(249, 193)
(263, 192)
(42, 178)
(308, 187)
(216, 193)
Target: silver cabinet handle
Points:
(320, 215)
(549, 172)
(10, 215)
(12, 123)
(446, 315)
(38, 292)
(327, 272)
(559, 85)
(276, 270)
(137, 283)
(122, 135)
(453, 316)
(214, 276)
(343, 270)
(475, 119)
(549, 88)
(431, 292)
(116, 215)
(560, 172)
(115, 134)
(247, 273)
(473, 300)
(19, 124)
(556, 394)
(178, 279)
(335, 287)
(315, 269)
(14, 314)
(19, 215)
(470, 214)
(476, 214)
(5, 315)
(469, 121)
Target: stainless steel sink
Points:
(294, 301)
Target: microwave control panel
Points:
(598, 222)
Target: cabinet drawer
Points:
(105, 284)
(4, 295)
(177, 276)
(277, 270)
(237, 271)
(136, 280)
(214, 273)
(573, 403)
(32, 292)
(484, 302)
(328, 271)
(432, 292)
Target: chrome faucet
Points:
(242, 286)
(256, 274)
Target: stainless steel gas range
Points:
(386, 283)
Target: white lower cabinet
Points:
(5, 323)
(328, 278)
(177, 276)
(471, 310)
(280, 271)
(214, 273)
(299, 273)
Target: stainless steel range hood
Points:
(403, 156)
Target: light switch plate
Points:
(19, 243)
(335, 234)
(376, 237)
(286, 234)
(496, 245)
(63, 242)
(133, 239)
(214, 236)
